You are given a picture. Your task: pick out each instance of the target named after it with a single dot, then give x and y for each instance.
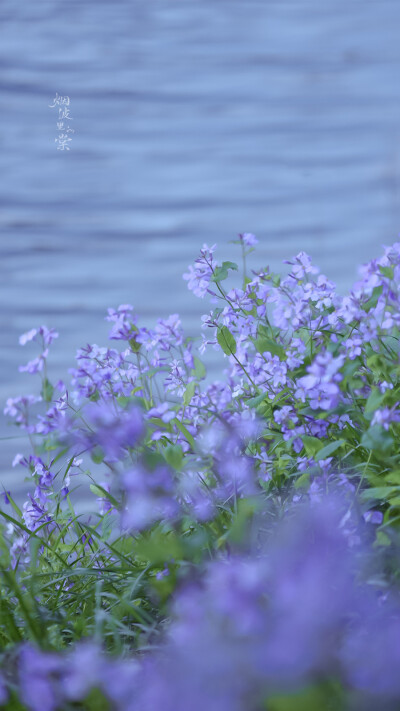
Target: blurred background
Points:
(192, 121)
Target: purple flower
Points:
(162, 412)
(320, 385)
(198, 276)
(353, 346)
(5, 495)
(168, 333)
(301, 266)
(36, 365)
(48, 335)
(386, 416)
(104, 504)
(35, 510)
(196, 498)
(124, 323)
(284, 415)
(248, 239)
(112, 429)
(269, 371)
(371, 652)
(37, 688)
(28, 336)
(384, 385)
(18, 408)
(150, 497)
(375, 517)
(176, 381)
(162, 573)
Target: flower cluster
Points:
(243, 550)
(255, 626)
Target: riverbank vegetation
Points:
(239, 545)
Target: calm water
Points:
(193, 121)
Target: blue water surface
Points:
(192, 121)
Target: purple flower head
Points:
(301, 266)
(168, 333)
(176, 381)
(104, 504)
(124, 321)
(37, 670)
(35, 510)
(48, 681)
(196, 498)
(248, 239)
(42, 472)
(19, 409)
(82, 671)
(19, 459)
(386, 416)
(320, 385)
(268, 620)
(103, 371)
(371, 652)
(36, 365)
(199, 275)
(162, 412)
(375, 517)
(269, 370)
(295, 353)
(111, 429)
(28, 336)
(353, 347)
(150, 497)
(47, 335)
(5, 495)
(284, 415)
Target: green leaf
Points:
(267, 345)
(373, 300)
(329, 449)
(302, 481)
(97, 455)
(158, 547)
(95, 701)
(98, 491)
(376, 438)
(47, 390)
(393, 477)
(374, 400)
(313, 698)
(382, 539)
(312, 445)
(256, 401)
(189, 392)
(102, 493)
(135, 346)
(199, 368)
(230, 265)
(174, 456)
(378, 493)
(184, 431)
(245, 512)
(226, 340)
(221, 273)
(387, 272)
